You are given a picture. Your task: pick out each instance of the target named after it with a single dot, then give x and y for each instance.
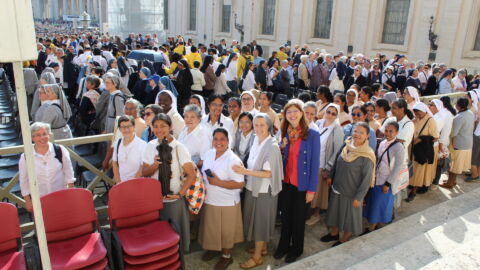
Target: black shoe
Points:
(291, 258)
(279, 254)
(337, 243)
(367, 231)
(329, 238)
(422, 190)
(411, 197)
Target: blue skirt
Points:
(379, 206)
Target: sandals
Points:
(252, 250)
(251, 263)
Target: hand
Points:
(172, 197)
(29, 206)
(156, 161)
(240, 169)
(356, 203)
(417, 140)
(385, 189)
(213, 180)
(309, 197)
(284, 143)
(325, 173)
(106, 164)
(329, 181)
(117, 180)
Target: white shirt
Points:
(197, 142)
(108, 55)
(99, 59)
(255, 150)
(198, 79)
(183, 157)
(224, 122)
(325, 132)
(222, 167)
(129, 158)
(231, 72)
(177, 122)
(244, 141)
(83, 59)
(249, 81)
(457, 84)
(51, 175)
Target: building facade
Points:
(57, 9)
(351, 26)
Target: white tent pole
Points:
(32, 177)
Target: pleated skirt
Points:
(177, 211)
(259, 214)
(379, 206)
(343, 215)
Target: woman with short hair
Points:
(194, 136)
(53, 166)
(264, 173)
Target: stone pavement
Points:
(412, 222)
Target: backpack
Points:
(58, 153)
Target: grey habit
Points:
(260, 209)
(351, 182)
(51, 114)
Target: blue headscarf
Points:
(146, 72)
(169, 85)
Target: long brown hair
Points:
(303, 121)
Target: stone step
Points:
(441, 243)
(362, 248)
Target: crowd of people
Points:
(352, 139)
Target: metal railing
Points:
(100, 175)
(453, 97)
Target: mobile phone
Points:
(209, 173)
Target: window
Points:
(395, 24)
(268, 17)
(476, 46)
(165, 14)
(192, 24)
(323, 19)
(226, 14)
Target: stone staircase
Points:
(444, 236)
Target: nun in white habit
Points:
(167, 100)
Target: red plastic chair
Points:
(11, 251)
(71, 227)
(140, 239)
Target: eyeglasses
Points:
(331, 113)
(148, 113)
(357, 114)
(292, 111)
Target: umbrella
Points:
(146, 55)
(165, 169)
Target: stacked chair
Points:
(11, 251)
(140, 239)
(71, 228)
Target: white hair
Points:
(39, 125)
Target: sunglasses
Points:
(357, 115)
(148, 113)
(331, 113)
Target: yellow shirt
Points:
(282, 56)
(180, 49)
(192, 57)
(241, 64)
(173, 66)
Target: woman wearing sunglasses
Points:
(359, 114)
(150, 111)
(331, 140)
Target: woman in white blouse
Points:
(264, 182)
(53, 172)
(221, 222)
(221, 87)
(248, 77)
(127, 151)
(174, 206)
(194, 136)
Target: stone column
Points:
(81, 6)
(65, 9)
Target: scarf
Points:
(270, 153)
(293, 134)
(351, 152)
